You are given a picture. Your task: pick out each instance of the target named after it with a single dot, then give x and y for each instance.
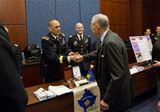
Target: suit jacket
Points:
(13, 97)
(112, 73)
(154, 38)
(82, 46)
(52, 50)
(156, 46)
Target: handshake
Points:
(75, 56)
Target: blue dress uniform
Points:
(83, 46)
(52, 49)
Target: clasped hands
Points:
(75, 56)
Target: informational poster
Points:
(142, 47)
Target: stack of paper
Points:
(59, 90)
(136, 69)
(43, 94)
(52, 91)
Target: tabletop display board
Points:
(142, 47)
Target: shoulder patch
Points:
(45, 38)
(63, 34)
(70, 36)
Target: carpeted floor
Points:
(145, 102)
(145, 105)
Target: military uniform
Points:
(82, 46)
(52, 48)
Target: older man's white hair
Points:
(102, 20)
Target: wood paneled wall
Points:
(13, 15)
(157, 7)
(148, 15)
(127, 17)
(135, 17)
(131, 17)
(118, 13)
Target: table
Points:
(57, 104)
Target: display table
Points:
(57, 104)
(85, 98)
(143, 81)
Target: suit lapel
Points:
(99, 55)
(76, 38)
(83, 38)
(106, 36)
(98, 65)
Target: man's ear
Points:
(49, 29)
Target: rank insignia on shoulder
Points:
(62, 34)
(45, 38)
(70, 36)
(86, 41)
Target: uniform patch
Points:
(75, 43)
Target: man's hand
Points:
(75, 56)
(78, 58)
(73, 53)
(72, 57)
(158, 106)
(157, 64)
(104, 105)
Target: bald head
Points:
(54, 27)
(79, 28)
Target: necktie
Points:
(81, 37)
(58, 38)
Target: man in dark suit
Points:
(96, 44)
(17, 52)
(82, 44)
(156, 56)
(156, 44)
(112, 72)
(53, 47)
(13, 97)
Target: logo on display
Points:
(87, 100)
